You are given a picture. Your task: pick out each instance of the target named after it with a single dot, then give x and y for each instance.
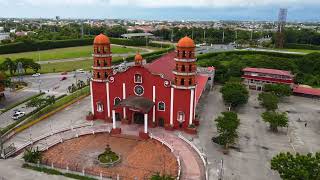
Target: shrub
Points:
(32, 156)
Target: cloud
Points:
(167, 3)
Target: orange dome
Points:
(101, 39)
(138, 57)
(186, 42)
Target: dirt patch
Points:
(139, 158)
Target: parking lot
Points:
(250, 157)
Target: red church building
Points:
(162, 93)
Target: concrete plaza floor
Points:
(256, 145)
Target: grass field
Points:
(64, 53)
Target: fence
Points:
(201, 155)
(171, 149)
(22, 146)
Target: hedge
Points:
(56, 172)
(301, 46)
(18, 103)
(27, 46)
(275, 54)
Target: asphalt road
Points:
(51, 84)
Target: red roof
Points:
(163, 65)
(201, 84)
(268, 71)
(306, 90)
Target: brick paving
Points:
(139, 158)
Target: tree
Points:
(275, 119)
(297, 167)
(9, 65)
(234, 93)
(269, 101)
(32, 156)
(280, 90)
(227, 125)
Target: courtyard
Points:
(139, 159)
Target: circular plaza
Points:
(138, 158)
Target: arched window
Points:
(181, 116)
(177, 67)
(117, 101)
(178, 53)
(98, 49)
(183, 68)
(175, 80)
(99, 107)
(105, 63)
(190, 68)
(190, 81)
(182, 82)
(161, 106)
(98, 62)
(137, 78)
(105, 75)
(98, 75)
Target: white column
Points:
(92, 106)
(171, 106)
(114, 119)
(191, 106)
(145, 123)
(124, 97)
(108, 99)
(154, 101)
(194, 102)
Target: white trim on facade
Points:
(145, 123)
(91, 95)
(108, 99)
(191, 106)
(124, 97)
(114, 119)
(171, 106)
(154, 101)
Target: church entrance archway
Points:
(138, 118)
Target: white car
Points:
(80, 71)
(36, 75)
(18, 115)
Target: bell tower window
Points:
(190, 68)
(183, 68)
(98, 62)
(98, 75)
(190, 81)
(183, 54)
(182, 82)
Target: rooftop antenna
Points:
(282, 19)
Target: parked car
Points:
(63, 78)
(18, 115)
(16, 110)
(80, 71)
(64, 73)
(36, 75)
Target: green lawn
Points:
(64, 53)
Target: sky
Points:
(298, 10)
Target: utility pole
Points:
(82, 30)
(251, 35)
(222, 35)
(204, 36)
(236, 35)
(192, 33)
(171, 35)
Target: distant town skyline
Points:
(298, 10)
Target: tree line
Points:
(12, 65)
(305, 68)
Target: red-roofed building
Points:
(306, 91)
(162, 93)
(256, 78)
